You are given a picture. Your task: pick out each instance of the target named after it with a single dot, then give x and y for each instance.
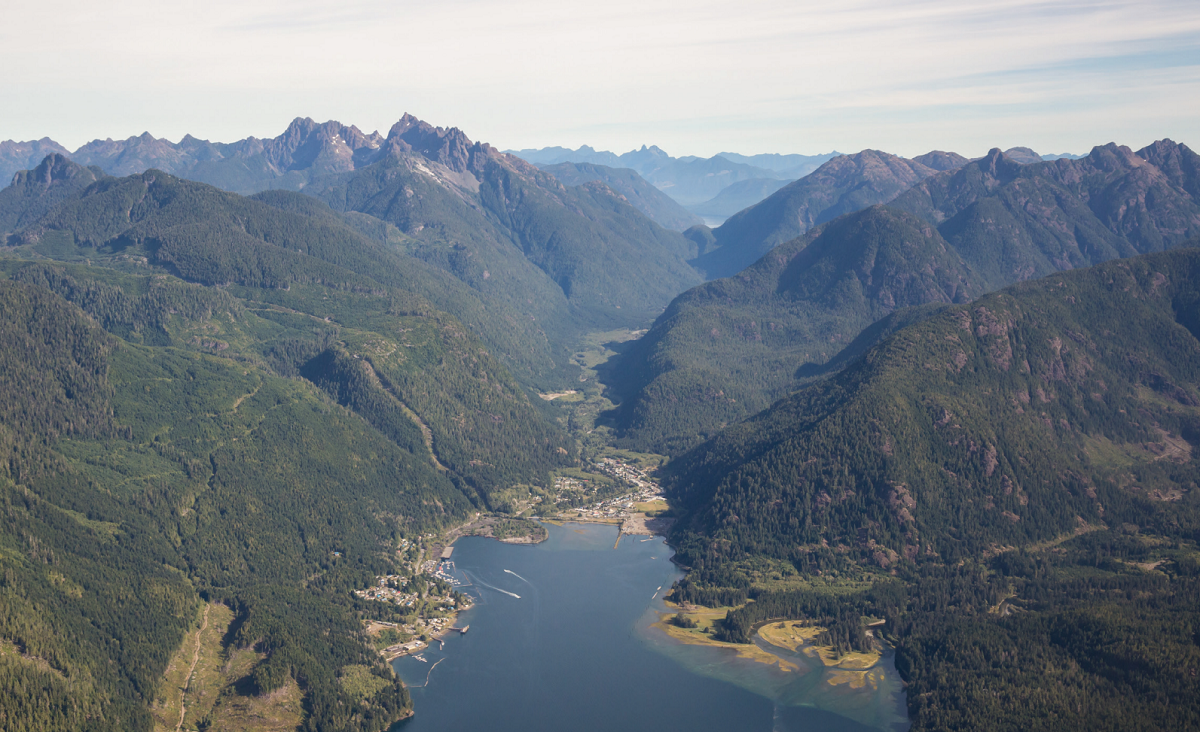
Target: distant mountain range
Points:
(730, 347)
(736, 197)
(716, 188)
(691, 181)
(641, 195)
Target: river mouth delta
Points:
(568, 634)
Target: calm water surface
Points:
(560, 639)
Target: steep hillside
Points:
(343, 291)
(1062, 398)
(844, 184)
(1000, 221)
(728, 348)
(595, 259)
(657, 205)
(571, 257)
(137, 477)
(34, 192)
(1014, 222)
(1025, 468)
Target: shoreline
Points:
(638, 524)
(793, 637)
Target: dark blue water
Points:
(562, 641)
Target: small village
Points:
(428, 599)
(641, 489)
(426, 592)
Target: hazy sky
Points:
(692, 76)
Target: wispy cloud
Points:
(694, 77)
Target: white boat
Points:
(420, 658)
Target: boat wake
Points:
(514, 574)
(497, 589)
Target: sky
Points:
(694, 77)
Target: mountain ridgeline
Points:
(563, 259)
(730, 347)
(660, 207)
(844, 184)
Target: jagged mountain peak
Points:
(54, 168)
(35, 191)
(1114, 157)
(1163, 149)
(448, 146)
(1179, 163)
(998, 165)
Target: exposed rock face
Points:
(34, 192)
(16, 156)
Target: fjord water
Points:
(560, 639)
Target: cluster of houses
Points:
(618, 507)
(389, 588)
(625, 472)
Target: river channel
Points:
(561, 639)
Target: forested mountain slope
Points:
(844, 184)
(998, 222)
(593, 260)
(728, 348)
(571, 257)
(1017, 415)
(660, 207)
(139, 478)
(246, 240)
(1025, 468)
(333, 281)
(218, 398)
